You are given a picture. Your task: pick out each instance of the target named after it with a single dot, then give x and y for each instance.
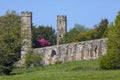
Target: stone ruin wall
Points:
(86, 50)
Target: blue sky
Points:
(84, 12)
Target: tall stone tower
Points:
(61, 27)
(26, 18)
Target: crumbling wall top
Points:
(26, 14)
(61, 17)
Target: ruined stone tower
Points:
(26, 18)
(61, 27)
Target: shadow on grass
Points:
(18, 71)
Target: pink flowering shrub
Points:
(43, 43)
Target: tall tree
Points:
(9, 41)
(99, 30)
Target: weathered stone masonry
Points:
(61, 27)
(26, 34)
(85, 50)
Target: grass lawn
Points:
(79, 70)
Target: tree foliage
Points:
(112, 59)
(72, 35)
(83, 36)
(80, 28)
(99, 30)
(32, 59)
(9, 41)
(69, 37)
(46, 32)
(81, 33)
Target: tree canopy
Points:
(99, 30)
(46, 32)
(82, 33)
(10, 41)
(112, 59)
(71, 36)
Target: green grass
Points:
(79, 70)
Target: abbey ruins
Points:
(86, 50)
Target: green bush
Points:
(6, 63)
(5, 70)
(112, 59)
(104, 62)
(32, 59)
